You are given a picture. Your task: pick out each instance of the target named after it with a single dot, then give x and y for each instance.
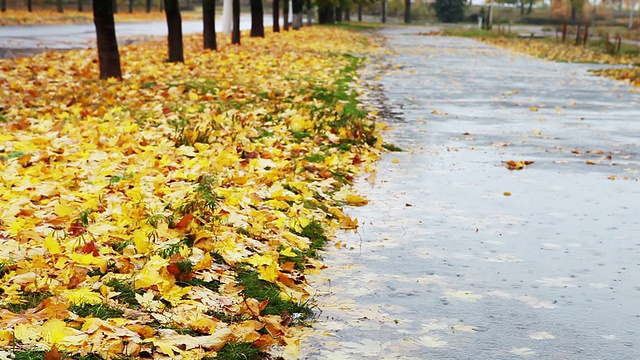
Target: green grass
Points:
(212, 285)
(35, 354)
(100, 311)
(29, 354)
(262, 290)
(356, 26)
(236, 350)
(127, 292)
(391, 147)
(472, 33)
(315, 233)
(28, 300)
(12, 155)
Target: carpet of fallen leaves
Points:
(134, 213)
(557, 51)
(24, 17)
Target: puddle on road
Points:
(445, 266)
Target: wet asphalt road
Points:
(445, 265)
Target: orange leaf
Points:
(53, 354)
(288, 266)
(173, 269)
(90, 248)
(184, 222)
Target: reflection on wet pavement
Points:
(458, 257)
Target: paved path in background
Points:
(445, 266)
(25, 39)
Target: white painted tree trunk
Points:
(227, 20)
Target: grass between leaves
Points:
(176, 213)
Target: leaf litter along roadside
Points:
(40, 17)
(174, 214)
(552, 49)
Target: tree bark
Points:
(115, 6)
(325, 14)
(149, 3)
(3, 5)
(80, 6)
(257, 18)
(309, 13)
(285, 15)
(130, 6)
(209, 24)
(530, 9)
(235, 33)
(297, 13)
(347, 14)
(360, 11)
(407, 11)
(384, 11)
(60, 7)
(108, 55)
(276, 16)
(338, 14)
(174, 24)
(30, 5)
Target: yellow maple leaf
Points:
(288, 251)
(269, 272)
(82, 296)
(52, 245)
(355, 200)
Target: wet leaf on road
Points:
(517, 165)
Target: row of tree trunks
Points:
(285, 15)
(296, 6)
(209, 24)
(174, 23)
(276, 16)
(235, 33)
(108, 55)
(257, 18)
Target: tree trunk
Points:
(384, 11)
(325, 14)
(115, 6)
(360, 11)
(285, 15)
(573, 15)
(108, 55)
(174, 24)
(309, 13)
(3, 5)
(347, 14)
(149, 3)
(530, 9)
(257, 18)
(297, 14)
(80, 6)
(29, 5)
(338, 14)
(522, 7)
(235, 33)
(407, 11)
(130, 6)
(276, 16)
(209, 24)
(60, 7)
